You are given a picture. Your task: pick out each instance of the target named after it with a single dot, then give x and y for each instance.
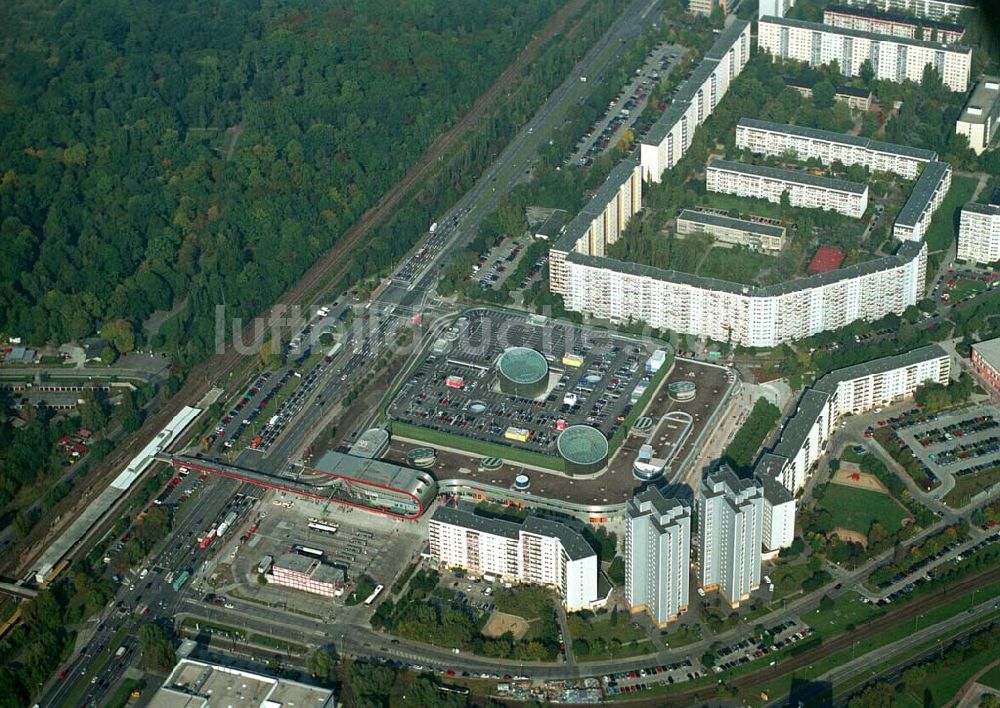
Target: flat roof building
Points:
(927, 195)
(536, 551)
(934, 9)
(199, 684)
(981, 113)
(731, 521)
(732, 232)
(892, 58)
(694, 101)
(869, 18)
(777, 139)
(986, 362)
(979, 233)
(307, 575)
(803, 189)
(852, 390)
(657, 555)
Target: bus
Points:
(307, 551)
(324, 528)
(181, 579)
(375, 593)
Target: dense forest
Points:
(154, 155)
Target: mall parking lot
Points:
(592, 379)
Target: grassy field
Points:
(847, 610)
(477, 447)
(123, 693)
(943, 227)
(969, 485)
(966, 287)
(856, 509)
(734, 264)
(602, 638)
(527, 601)
(682, 636)
(946, 681)
(991, 678)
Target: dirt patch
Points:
(850, 475)
(849, 535)
(500, 623)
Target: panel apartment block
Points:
(750, 316)
(657, 555)
(804, 190)
(732, 232)
(915, 217)
(871, 19)
(779, 504)
(766, 138)
(979, 233)
(981, 114)
(536, 551)
(852, 390)
(892, 58)
(600, 222)
(731, 519)
(934, 9)
(694, 101)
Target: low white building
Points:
(979, 233)
(657, 555)
(804, 190)
(981, 114)
(892, 58)
(536, 551)
(778, 139)
(728, 231)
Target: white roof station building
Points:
(731, 519)
(981, 113)
(979, 233)
(657, 555)
(536, 551)
(804, 190)
(694, 101)
(892, 58)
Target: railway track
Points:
(842, 641)
(330, 265)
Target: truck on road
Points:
(120, 652)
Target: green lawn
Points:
(603, 638)
(946, 681)
(682, 636)
(476, 447)
(966, 287)
(735, 264)
(943, 228)
(847, 610)
(856, 509)
(991, 678)
(969, 485)
(527, 601)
